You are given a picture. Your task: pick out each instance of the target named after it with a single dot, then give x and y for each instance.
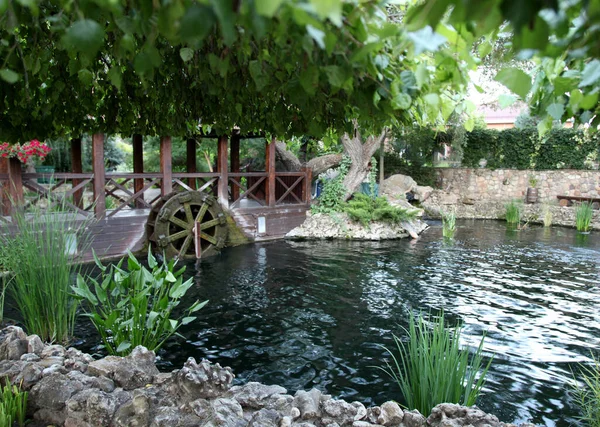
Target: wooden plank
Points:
(223, 187)
(4, 193)
(15, 183)
(270, 169)
(235, 163)
(579, 198)
(249, 174)
(138, 165)
(191, 161)
(99, 174)
(166, 164)
(77, 167)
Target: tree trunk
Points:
(360, 154)
(291, 163)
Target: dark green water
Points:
(313, 314)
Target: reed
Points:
(547, 217)
(448, 224)
(13, 405)
(587, 397)
(583, 217)
(513, 213)
(40, 259)
(431, 367)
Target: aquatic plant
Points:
(448, 224)
(513, 213)
(366, 209)
(135, 306)
(587, 397)
(13, 405)
(41, 259)
(583, 217)
(431, 367)
(547, 217)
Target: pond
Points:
(314, 314)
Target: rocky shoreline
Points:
(69, 388)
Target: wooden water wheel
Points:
(172, 221)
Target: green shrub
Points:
(513, 213)
(366, 209)
(583, 217)
(42, 269)
(587, 398)
(13, 406)
(431, 368)
(448, 224)
(135, 306)
(331, 199)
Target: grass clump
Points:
(587, 397)
(366, 209)
(431, 368)
(583, 217)
(513, 213)
(448, 224)
(40, 258)
(135, 306)
(547, 217)
(13, 405)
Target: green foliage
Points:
(331, 199)
(13, 406)
(60, 155)
(135, 306)
(587, 397)
(547, 217)
(513, 213)
(583, 216)
(394, 164)
(366, 209)
(39, 258)
(431, 368)
(448, 224)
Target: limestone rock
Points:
(35, 345)
(168, 416)
(340, 411)
(452, 415)
(202, 380)
(413, 419)
(13, 343)
(133, 371)
(308, 403)
(265, 418)
(422, 193)
(391, 414)
(257, 396)
(53, 351)
(218, 412)
(398, 185)
(94, 407)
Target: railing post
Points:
(76, 167)
(235, 163)
(99, 174)
(191, 161)
(270, 169)
(223, 191)
(15, 183)
(4, 191)
(307, 188)
(165, 165)
(138, 166)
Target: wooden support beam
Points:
(99, 174)
(4, 192)
(235, 163)
(77, 167)
(166, 168)
(191, 161)
(307, 188)
(138, 166)
(270, 169)
(15, 183)
(222, 168)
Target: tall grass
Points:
(513, 213)
(431, 368)
(547, 217)
(13, 405)
(448, 224)
(583, 217)
(42, 270)
(587, 398)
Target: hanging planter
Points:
(24, 152)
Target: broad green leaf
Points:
(173, 323)
(226, 16)
(401, 101)
(151, 260)
(9, 76)
(317, 35)
(260, 80)
(123, 346)
(470, 124)
(589, 101)
(426, 40)
(544, 126)
(591, 73)
(170, 277)
(3, 6)
(186, 53)
(116, 77)
(336, 75)
(197, 306)
(331, 9)
(575, 99)
(432, 99)
(516, 80)
(85, 36)
(267, 7)
(426, 13)
(484, 49)
(309, 79)
(196, 24)
(556, 110)
(188, 319)
(422, 75)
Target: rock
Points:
(295, 413)
(168, 416)
(390, 414)
(94, 406)
(398, 185)
(133, 371)
(48, 397)
(35, 345)
(340, 411)
(285, 422)
(52, 360)
(468, 200)
(363, 424)
(30, 374)
(30, 357)
(53, 351)
(361, 411)
(219, 412)
(422, 193)
(202, 380)
(308, 403)
(452, 415)
(413, 419)
(265, 418)
(257, 396)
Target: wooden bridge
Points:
(129, 206)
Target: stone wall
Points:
(69, 388)
(508, 184)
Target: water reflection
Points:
(313, 314)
